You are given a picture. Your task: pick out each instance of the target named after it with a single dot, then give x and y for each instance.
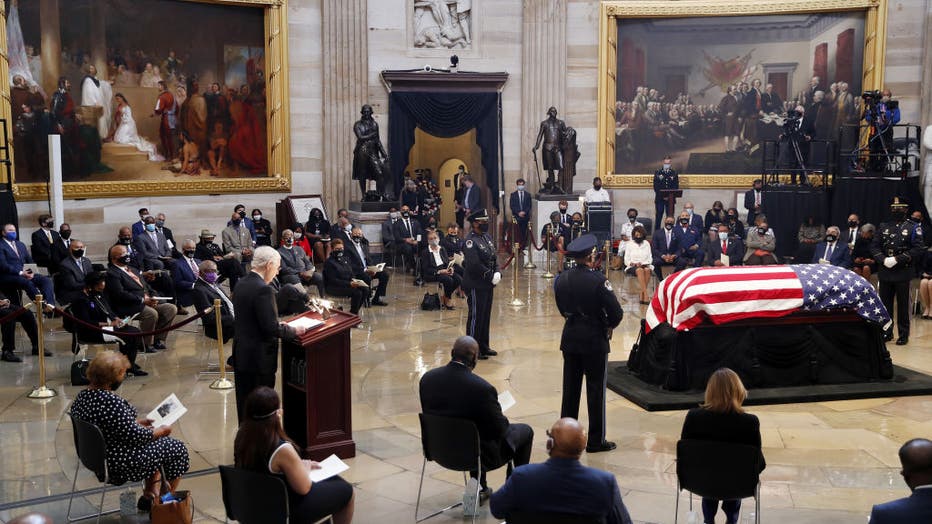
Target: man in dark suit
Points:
(665, 246)
(849, 235)
(754, 201)
(357, 249)
(408, 235)
(204, 293)
(8, 329)
(727, 244)
(832, 251)
(297, 268)
(13, 255)
(520, 203)
(139, 227)
(452, 243)
(184, 274)
(472, 196)
(562, 484)
(69, 281)
(152, 246)
(42, 241)
(916, 459)
(690, 243)
(455, 391)
(160, 280)
(167, 233)
(229, 267)
(61, 248)
(389, 243)
(92, 308)
(129, 294)
(255, 346)
(341, 280)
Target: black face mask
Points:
(830, 238)
(562, 209)
(898, 215)
(126, 259)
(484, 227)
(338, 253)
(852, 223)
(717, 209)
(126, 240)
(668, 226)
(50, 224)
(597, 186)
(684, 221)
(632, 219)
(406, 214)
(189, 253)
(762, 230)
(732, 218)
(242, 214)
(66, 234)
(77, 253)
(915, 220)
(639, 240)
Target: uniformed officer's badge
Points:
(905, 233)
(469, 243)
(919, 230)
(608, 285)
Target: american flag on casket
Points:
(725, 294)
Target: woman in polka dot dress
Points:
(135, 450)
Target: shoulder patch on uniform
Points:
(919, 230)
(469, 243)
(608, 285)
(905, 232)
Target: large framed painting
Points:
(710, 83)
(148, 97)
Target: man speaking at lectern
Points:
(255, 345)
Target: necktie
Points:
(134, 277)
(851, 236)
(68, 243)
(520, 200)
(408, 227)
(828, 252)
(193, 266)
(756, 198)
(80, 262)
(724, 247)
(15, 249)
(49, 235)
(668, 239)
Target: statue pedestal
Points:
(369, 217)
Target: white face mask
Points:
(257, 217)
(434, 242)
(521, 188)
(722, 236)
(666, 167)
(348, 227)
(690, 211)
(394, 215)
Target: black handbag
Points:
(79, 372)
(431, 302)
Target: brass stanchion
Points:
(530, 254)
(223, 382)
(515, 301)
(608, 256)
(41, 391)
(549, 274)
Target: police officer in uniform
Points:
(480, 276)
(897, 247)
(587, 302)
(664, 178)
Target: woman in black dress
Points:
(716, 215)
(135, 450)
(435, 264)
(864, 263)
(261, 445)
(722, 419)
(317, 232)
(263, 228)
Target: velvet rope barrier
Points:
(530, 240)
(12, 316)
(172, 327)
(507, 262)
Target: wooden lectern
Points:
(670, 195)
(316, 387)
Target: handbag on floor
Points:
(431, 302)
(180, 510)
(79, 372)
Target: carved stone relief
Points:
(443, 24)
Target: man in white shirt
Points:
(850, 235)
(833, 250)
(597, 193)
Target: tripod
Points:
(792, 138)
(874, 145)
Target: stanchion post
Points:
(608, 255)
(41, 391)
(548, 274)
(515, 301)
(530, 254)
(223, 382)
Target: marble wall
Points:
(499, 33)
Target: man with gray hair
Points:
(258, 330)
(832, 251)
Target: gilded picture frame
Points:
(875, 28)
(278, 177)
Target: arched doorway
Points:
(447, 179)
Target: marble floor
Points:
(826, 462)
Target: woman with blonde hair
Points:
(721, 418)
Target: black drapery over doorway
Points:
(447, 105)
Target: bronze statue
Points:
(559, 153)
(370, 161)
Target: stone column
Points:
(543, 75)
(98, 39)
(346, 87)
(50, 44)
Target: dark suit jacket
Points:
(203, 296)
(388, 233)
(749, 201)
(69, 281)
(401, 232)
(10, 263)
(472, 198)
(455, 391)
(561, 485)
(338, 273)
(183, 277)
(255, 346)
(123, 293)
(151, 251)
(428, 267)
(735, 252)
(42, 248)
(358, 265)
(734, 428)
(841, 256)
(658, 244)
(845, 237)
(516, 206)
(138, 228)
(914, 508)
(169, 236)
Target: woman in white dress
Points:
(125, 130)
(639, 260)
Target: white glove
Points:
(889, 262)
(496, 278)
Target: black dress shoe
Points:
(902, 341)
(35, 352)
(604, 446)
(379, 302)
(144, 504)
(887, 337)
(483, 356)
(484, 495)
(159, 345)
(489, 352)
(182, 311)
(138, 372)
(8, 356)
(150, 349)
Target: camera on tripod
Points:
(791, 123)
(872, 95)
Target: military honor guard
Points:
(896, 248)
(665, 178)
(480, 276)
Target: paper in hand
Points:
(167, 412)
(506, 400)
(726, 261)
(330, 466)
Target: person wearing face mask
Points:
(130, 295)
(454, 390)
(297, 268)
(452, 242)
(480, 276)
(716, 215)
(520, 204)
(136, 450)
(152, 247)
(258, 330)
(565, 216)
(240, 210)
(317, 231)
(626, 228)
(301, 241)
(408, 235)
(357, 250)
(691, 254)
(160, 280)
(695, 220)
(811, 232)
(664, 178)
(864, 263)
(734, 223)
(69, 281)
(597, 193)
(206, 291)
(139, 227)
(555, 236)
(761, 244)
(436, 266)
(167, 233)
(916, 218)
(228, 266)
(92, 307)
(754, 200)
(850, 234)
(13, 256)
(725, 244)
(341, 280)
(897, 248)
(666, 247)
(237, 241)
(184, 275)
(832, 250)
(61, 249)
(263, 228)
(389, 243)
(639, 261)
(42, 241)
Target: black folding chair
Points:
(718, 470)
(92, 452)
(533, 517)
(454, 444)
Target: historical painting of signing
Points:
(709, 91)
(163, 92)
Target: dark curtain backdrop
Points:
(870, 199)
(786, 211)
(444, 115)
